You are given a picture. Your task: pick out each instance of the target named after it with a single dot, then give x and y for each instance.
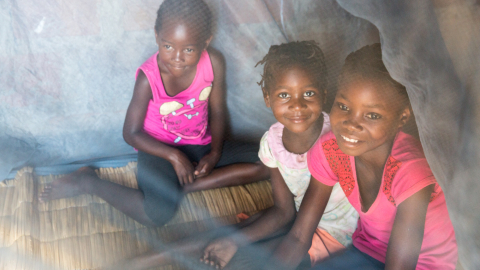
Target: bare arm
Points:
(407, 233)
(298, 241)
(217, 115)
(220, 252)
(135, 136)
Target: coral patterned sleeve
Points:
(318, 164)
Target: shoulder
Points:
(326, 144)
(149, 64)
(407, 170)
(408, 159)
(265, 153)
(319, 159)
(406, 148)
(326, 141)
(273, 138)
(142, 79)
(275, 131)
(216, 57)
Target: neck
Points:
(300, 143)
(377, 157)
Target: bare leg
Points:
(230, 175)
(85, 181)
(187, 251)
(160, 258)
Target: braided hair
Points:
(305, 54)
(195, 12)
(367, 64)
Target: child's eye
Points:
(167, 47)
(283, 95)
(343, 107)
(309, 94)
(188, 50)
(374, 116)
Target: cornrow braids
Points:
(367, 63)
(305, 54)
(195, 12)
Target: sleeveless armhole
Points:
(206, 66)
(152, 72)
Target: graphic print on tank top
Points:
(183, 119)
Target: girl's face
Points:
(295, 99)
(366, 115)
(179, 47)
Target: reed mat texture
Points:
(85, 232)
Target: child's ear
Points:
(156, 36)
(405, 116)
(266, 97)
(207, 42)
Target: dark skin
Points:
(297, 103)
(179, 52)
(365, 119)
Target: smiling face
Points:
(295, 99)
(366, 116)
(179, 48)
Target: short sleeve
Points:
(318, 165)
(411, 178)
(265, 153)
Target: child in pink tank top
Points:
(183, 118)
(176, 121)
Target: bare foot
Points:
(70, 185)
(219, 253)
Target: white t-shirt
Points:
(339, 218)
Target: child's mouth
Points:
(298, 119)
(349, 140)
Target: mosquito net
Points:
(67, 72)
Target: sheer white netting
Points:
(67, 70)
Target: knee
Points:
(161, 212)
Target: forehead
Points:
(294, 74)
(370, 93)
(180, 31)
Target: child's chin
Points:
(298, 130)
(350, 150)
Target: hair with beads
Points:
(306, 54)
(367, 63)
(195, 12)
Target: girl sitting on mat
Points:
(404, 222)
(294, 84)
(176, 120)
(294, 87)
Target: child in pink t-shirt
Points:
(404, 222)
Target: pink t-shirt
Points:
(181, 119)
(406, 172)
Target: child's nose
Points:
(352, 123)
(297, 103)
(178, 56)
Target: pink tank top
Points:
(181, 119)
